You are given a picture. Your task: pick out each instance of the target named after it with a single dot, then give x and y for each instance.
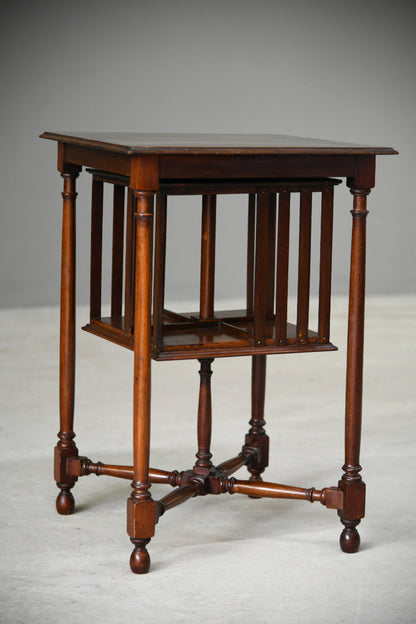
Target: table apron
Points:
(257, 166)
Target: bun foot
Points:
(140, 559)
(350, 538)
(65, 503)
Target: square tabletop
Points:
(196, 143)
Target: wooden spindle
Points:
(129, 272)
(160, 268)
(327, 217)
(207, 256)
(118, 245)
(251, 227)
(260, 285)
(271, 254)
(304, 265)
(96, 247)
(282, 270)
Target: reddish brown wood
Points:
(96, 247)
(277, 490)
(260, 285)
(351, 482)
(210, 165)
(213, 144)
(256, 440)
(230, 466)
(282, 269)
(66, 447)
(142, 343)
(159, 267)
(141, 508)
(179, 495)
(130, 265)
(82, 466)
(118, 253)
(207, 282)
(304, 265)
(324, 311)
(271, 254)
(203, 463)
(140, 559)
(251, 226)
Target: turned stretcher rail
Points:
(82, 466)
(179, 496)
(330, 497)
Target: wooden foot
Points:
(65, 503)
(350, 538)
(140, 559)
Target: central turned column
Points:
(203, 463)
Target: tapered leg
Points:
(66, 446)
(351, 482)
(203, 463)
(257, 438)
(141, 511)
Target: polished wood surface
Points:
(194, 143)
(277, 177)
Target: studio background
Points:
(334, 70)
(325, 69)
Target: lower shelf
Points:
(230, 333)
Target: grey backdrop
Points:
(327, 69)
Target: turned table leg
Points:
(66, 446)
(257, 439)
(141, 509)
(351, 483)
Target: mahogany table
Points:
(279, 175)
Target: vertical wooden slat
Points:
(324, 310)
(260, 284)
(128, 285)
(282, 271)
(271, 254)
(251, 227)
(117, 261)
(207, 284)
(304, 265)
(96, 247)
(160, 267)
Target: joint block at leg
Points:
(76, 466)
(141, 518)
(334, 499)
(260, 445)
(61, 473)
(354, 500)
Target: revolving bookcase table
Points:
(277, 174)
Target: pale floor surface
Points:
(214, 559)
